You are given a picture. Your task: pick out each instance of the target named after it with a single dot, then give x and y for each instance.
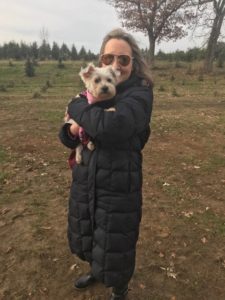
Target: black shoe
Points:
(119, 294)
(84, 281)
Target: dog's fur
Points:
(100, 82)
(101, 85)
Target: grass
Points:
(216, 161)
(3, 155)
(3, 177)
(183, 185)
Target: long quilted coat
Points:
(106, 198)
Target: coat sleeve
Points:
(132, 115)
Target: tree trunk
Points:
(212, 42)
(151, 58)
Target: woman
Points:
(106, 198)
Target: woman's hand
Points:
(74, 128)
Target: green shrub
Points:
(60, 64)
(174, 92)
(11, 63)
(3, 88)
(200, 77)
(161, 88)
(36, 94)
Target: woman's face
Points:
(119, 47)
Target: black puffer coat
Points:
(106, 198)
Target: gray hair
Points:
(140, 67)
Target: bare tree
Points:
(44, 49)
(158, 19)
(213, 20)
(44, 35)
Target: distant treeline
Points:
(192, 54)
(21, 51)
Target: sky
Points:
(78, 22)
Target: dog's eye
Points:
(109, 79)
(97, 80)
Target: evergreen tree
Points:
(220, 54)
(64, 52)
(24, 50)
(90, 56)
(55, 51)
(74, 55)
(44, 51)
(82, 53)
(29, 68)
(161, 55)
(1, 52)
(12, 48)
(61, 64)
(34, 50)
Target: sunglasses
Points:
(123, 59)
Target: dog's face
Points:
(100, 82)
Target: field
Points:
(181, 250)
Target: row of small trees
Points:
(19, 51)
(23, 51)
(193, 54)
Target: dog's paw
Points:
(91, 146)
(110, 109)
(70, 121)
(78, 159)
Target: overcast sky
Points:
(78, 22)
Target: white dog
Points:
(101, 85)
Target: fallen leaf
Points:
(196, 167)
(55, 259)
(169, 272)
(46, 227)
(142, 286)
(187, 214)
(204, 240)
(43, 290)
(75, 266)
(173, 255)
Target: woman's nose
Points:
(115, 64)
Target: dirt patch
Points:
(180, 253)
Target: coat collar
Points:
(133, 80)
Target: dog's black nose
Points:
(105, 89)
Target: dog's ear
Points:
(87, 72)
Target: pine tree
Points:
(44, 51)
(55, 51)
(34, 50)
(82, 53)
(64, 52)
(29, 68)
(74, 55)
